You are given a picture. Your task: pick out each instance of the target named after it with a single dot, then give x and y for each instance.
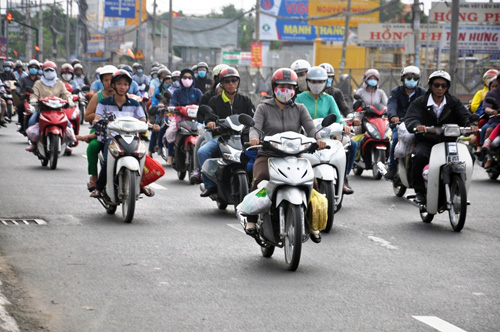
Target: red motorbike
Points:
(53, 123)
(73, 114)
(373, 150)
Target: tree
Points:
(246, 25)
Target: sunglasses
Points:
(442, 85)
(413, 78)
(46, 70)
(233, 80)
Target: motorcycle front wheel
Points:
(292, 215)
(54, 150)
(82, 112)
(240, 188)
(267, 251)
(326, 187)
(128, 187)
(377, 156)
(458, 200)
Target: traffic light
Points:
(9, 17)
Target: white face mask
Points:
(67, 77)
(302, 83)
(316, 88)
(50, 75)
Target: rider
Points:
(176, 81)
(481, 94)
(333, 91)
(202, 81)
(186, 94)
(7, 74)
(216, 80)
(435, 108)
(19, 70)
(97, 84)
(161, 73)
(300, 67)
(369, 92)
(80, 78)
(269, 118)
(139, 77)
(120, 105)
(398, 104)
(67, 75)
(48, 86)
(320, 104)
(159, 126)
(24, 84)
(493, 116)
(229, 102)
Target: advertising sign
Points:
(469, 12)
(236, 58)
(330, 7)
(119, 8)
(274, 28)
(96, 43)
(256, 60)
(471, 39)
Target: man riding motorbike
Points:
(435, 108)
(26, 83)
(67, 75)
(398, 104)
(300, 67)
(202, 81)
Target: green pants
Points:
(93, 154)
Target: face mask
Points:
(67, 77)
(176, 84)
(50, 75)
(329, 82)
(316, 88)
(202, 74)
(139, 71)
(410, 84)
(372, 83)
(187, 82)
(7, 69)
(284, 96)
(33, 71)
(302, 83)
(166, 86)
(195, 75)
(40, 72)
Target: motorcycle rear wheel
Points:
(54, 150)
(326, 187)
(398, 187)
(44, 162)
(240, 188)
(493, 175)
(458, 198)
(128, 186)
(181, 175)
(267, 251)
(357, 170)
(426, 217)
(293, 215)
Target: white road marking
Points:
(438, 324)
(236, 227)
(383, 242)
(84, 156)
(7, 322)
(156, 186)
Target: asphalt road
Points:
(184, 265)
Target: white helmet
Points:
(300, 66)
(107, 69)
(439, 74)
(410, 70)
(34, 62)
(317, 74)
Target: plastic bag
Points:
(33, 132)
(153, 170)
(209, 167)
(406, 142)
(70, 135)
(318, 211)
(255, 202)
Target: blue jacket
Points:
(399, 101)
(183, 96)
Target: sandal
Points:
(96, 194)
(91, 185)
(148, 191)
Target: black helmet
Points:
(127, 68)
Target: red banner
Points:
(256, 60)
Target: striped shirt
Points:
(131, 108)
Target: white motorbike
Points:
(125, 163)
(449, 176)
(291, 180)
(329, 167)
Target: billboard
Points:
(330, 7)
(275, 23)
(469, 12)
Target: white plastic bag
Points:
(255, 202)
(406, 142)
(33, 132)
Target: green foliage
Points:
(246, 25)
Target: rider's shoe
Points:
(347, 190)
(196, 177)
(31, 148)
(487, 144)
(420, 198)
(390, 174)
(208, 191)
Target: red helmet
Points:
(284, 76)
(49, 64)
(490, 74)
(228, 72)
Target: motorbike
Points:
(82, 101)
(53, 123)
(329, 167)
(286, 224)
(185, 139)
(228, 171)
(6, 94)
(493, 152)
(375, 143)
(448, 178)
(73, 114)
(125, 164)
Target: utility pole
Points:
(154, 32)
(346, 34)
(138, 26)
(257, 21)
(416, 31)
(40, 33)
(29, 33)
(67, 30)
(170, 27)
(454, 44)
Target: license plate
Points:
(453, 159)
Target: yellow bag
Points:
(318, 211)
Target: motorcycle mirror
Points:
(357, 104)
(246, 120)
(167, 94)
(330, 119)
(28, 89)
(357, 97)
(492, 101)
(76, 91)
(85, 88)
(474, 118)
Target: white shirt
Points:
(437, 109)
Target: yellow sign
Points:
(330, 7)
(139, 55)
(135, 21)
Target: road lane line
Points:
(383, 242)
(156, 186)
(438, 324)
(236, 227)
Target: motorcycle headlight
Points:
(452, 131)
(115, 150)
(372, 130)
(141, 150)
